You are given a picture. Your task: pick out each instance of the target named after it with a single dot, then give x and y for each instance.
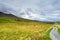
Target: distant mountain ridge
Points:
(7, 15)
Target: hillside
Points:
(14, 28)
(4, 18)
(11, 18)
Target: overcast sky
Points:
(40, 10)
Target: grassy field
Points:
(10, 29)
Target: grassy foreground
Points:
(11, 29)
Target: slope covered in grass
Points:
(13, 28)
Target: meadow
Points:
(10, 29)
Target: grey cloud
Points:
(40, 10)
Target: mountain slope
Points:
(12, 18)
(7, 15)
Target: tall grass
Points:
(23, 31)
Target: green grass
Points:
(47, 36)
(6, 20)
(12, 29)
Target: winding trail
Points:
(54, 35)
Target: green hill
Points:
(11, 18)
(4, 18)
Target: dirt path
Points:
(54, 35)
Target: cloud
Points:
(40, 10)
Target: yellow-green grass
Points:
(10, 29)
(21, 31)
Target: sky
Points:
(40, 10)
